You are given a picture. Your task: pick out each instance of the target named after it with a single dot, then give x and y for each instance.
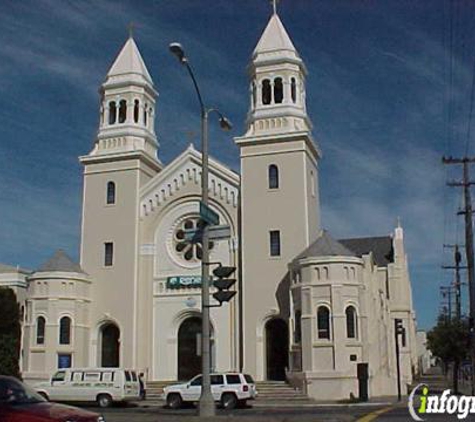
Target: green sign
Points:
(208, 215)
(180, 281)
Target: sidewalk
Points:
(259, 403)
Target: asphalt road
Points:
(362, 413)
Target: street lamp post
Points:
(206, 405)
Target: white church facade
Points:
(309, 308)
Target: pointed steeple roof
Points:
(274, 37)
(129, 62)
(325, 245)
(60, 261)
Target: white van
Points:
(102, 385)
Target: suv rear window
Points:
(233, 379)
(249, 379)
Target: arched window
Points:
(278, 90)
(266, 92)
(65, 330)
(112, 112)
(273, 177)
(136, 111)
(323, 322)
(351, 322)
(298, 327)
(110, 193)
(40, 330)
(122, 111)
(145, 114)
(254, 94)
(293, 89)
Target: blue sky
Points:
(382, 84)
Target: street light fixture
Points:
(206, 404)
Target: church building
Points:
(310, 309)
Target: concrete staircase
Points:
(269, 391)
(155, 388)
(279, 391)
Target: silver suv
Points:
(229, 390)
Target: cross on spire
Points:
(131, 27)
(274, 5)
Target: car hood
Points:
(57, 412)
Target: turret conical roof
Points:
(325, 245)
(60, 261)
(129, 62)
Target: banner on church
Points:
(181, 281)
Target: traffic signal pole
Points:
(398, 329)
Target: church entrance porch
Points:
(189, 351)
(277, 349)
(189, 348)
(110, 346)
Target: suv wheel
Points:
(174, 401)
(228, 401)
(104, 400)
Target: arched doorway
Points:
(277, 349)
(189, 348)
(110, 346)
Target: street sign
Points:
(208, 215)
(214, 233)
(219, 232)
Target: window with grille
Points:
(273, 177)
(275, 243)
(351, 323)
(40, 330)
(110, 193)
(323, 322)
(65, 330)
(108, 254)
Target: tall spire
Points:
(129, 64)
(127, 114)
(274, 38)
(274, 6)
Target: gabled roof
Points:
(325, 245)
(274, 37)
(381, 247)
(129, 61)
(61, 262)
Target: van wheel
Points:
(228, 401)
(44, 395)
(174, 401)
(104, 400)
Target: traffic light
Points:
(399, 327)
(223, 283)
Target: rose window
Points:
(187, 250)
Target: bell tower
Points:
(123, 159)
(279, 190)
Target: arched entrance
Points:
(277, 349)
(110, 346)
(189, 348)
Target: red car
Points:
(19, 403)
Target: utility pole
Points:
(466, 183)
(446, 292)
(457, 283)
